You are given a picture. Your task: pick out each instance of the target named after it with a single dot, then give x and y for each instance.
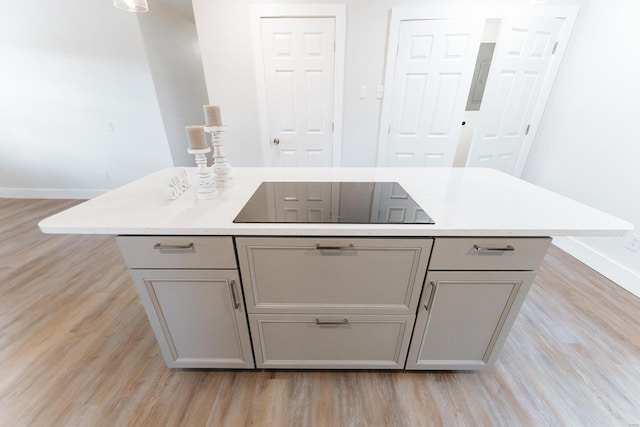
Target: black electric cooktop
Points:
(332, 202)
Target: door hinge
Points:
(333, 127)
(555, 46)
(526, 132)
(389, 130)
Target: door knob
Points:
(276, 141)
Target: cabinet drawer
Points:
(320, 275)
(177, 251)
(488, 253)
(334, 342)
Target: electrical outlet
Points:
(634, 243)
(105, 176)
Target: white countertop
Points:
(461, 201)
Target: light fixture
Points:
(132, 5)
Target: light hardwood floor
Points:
(76, 349)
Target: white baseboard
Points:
(601, 263)
(49, 193)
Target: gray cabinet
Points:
(332, 302)
(465, 314)
(197, 315)
(464, 318)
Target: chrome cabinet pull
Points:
(232, 285)
(333, 248)
(276, 141)
(507, 248)
(162, 247)
(429, 293)
(332, 322)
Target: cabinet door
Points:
(465, 317)
(306, 341)
(198, 317)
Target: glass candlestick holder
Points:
(206, 183)
(221, 168)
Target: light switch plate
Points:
(363, 92)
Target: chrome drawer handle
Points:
(161, 247)
(429, 294)
(232, 285)
(333, 248)
(507, 248)
(332, 322)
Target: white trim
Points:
(604, 265)
(334, 10)
(50, 193)
(569, 14)
(399, 14)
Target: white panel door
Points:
(433, 71)
(520, 63)
(299, 57)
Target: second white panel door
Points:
(299, 60)
(520, 66)
(433, 71)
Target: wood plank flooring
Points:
(76, 350)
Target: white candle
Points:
(195, 136)
(212, 115)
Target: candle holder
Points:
(221, 169)
(206, 183)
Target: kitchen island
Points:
(220, 294)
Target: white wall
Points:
(227, 55)
(76, 100)
(588, 143)
(173, 52)
(225, 41)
